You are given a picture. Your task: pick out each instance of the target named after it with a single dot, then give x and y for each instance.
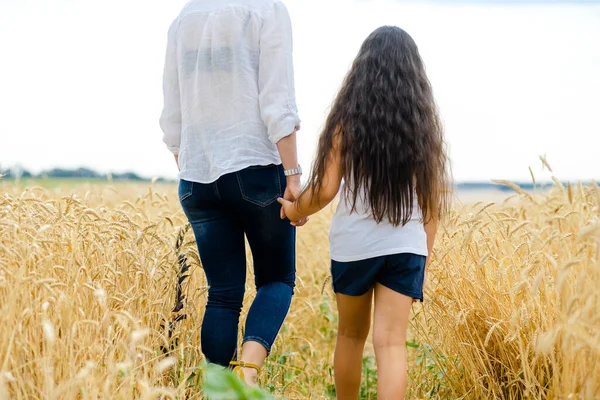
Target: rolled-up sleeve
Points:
(276, 74)
(170, 120)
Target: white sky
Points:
(80, 81)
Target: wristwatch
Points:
(292, 172)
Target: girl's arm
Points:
(431, 230)
(308, 204)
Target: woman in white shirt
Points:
(230, 119)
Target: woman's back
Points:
(225, 54)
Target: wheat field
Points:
(89, 275)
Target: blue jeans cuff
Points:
(258, 340)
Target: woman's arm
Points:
(289, 157)
(277, 96)
(288, 151)
(170, 119)
(276, 91)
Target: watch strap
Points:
(294, 171)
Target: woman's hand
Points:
(291, 195)
(292, 190)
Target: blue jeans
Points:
(221, 213)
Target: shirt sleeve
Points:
(276, 74)
(170, 120)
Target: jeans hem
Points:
(258, 340)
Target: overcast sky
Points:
(80, 81)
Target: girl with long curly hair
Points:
(383, 145)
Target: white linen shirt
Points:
(228, 86)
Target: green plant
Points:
(368, 387)
(437, 365)
(222, 384)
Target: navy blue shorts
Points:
(402, 273)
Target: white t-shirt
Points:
(357, 236)
(228, 86)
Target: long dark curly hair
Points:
(390, 137)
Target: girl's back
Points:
(356, 235)
(384, 140)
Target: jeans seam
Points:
(279, 183)
(188, 195)
(216, 189)
(237, 175)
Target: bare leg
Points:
(253, 353)
(353, 329)
(392, 310)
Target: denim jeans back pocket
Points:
(260, 185)
(186, 189)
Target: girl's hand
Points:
(292, 190)
(289, 211)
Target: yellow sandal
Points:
(241, 364)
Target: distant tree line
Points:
(86, 173)
(79, 173)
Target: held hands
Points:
(288, 210)
(288, 205)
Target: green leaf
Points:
(222, 384)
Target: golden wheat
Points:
(88, 280)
